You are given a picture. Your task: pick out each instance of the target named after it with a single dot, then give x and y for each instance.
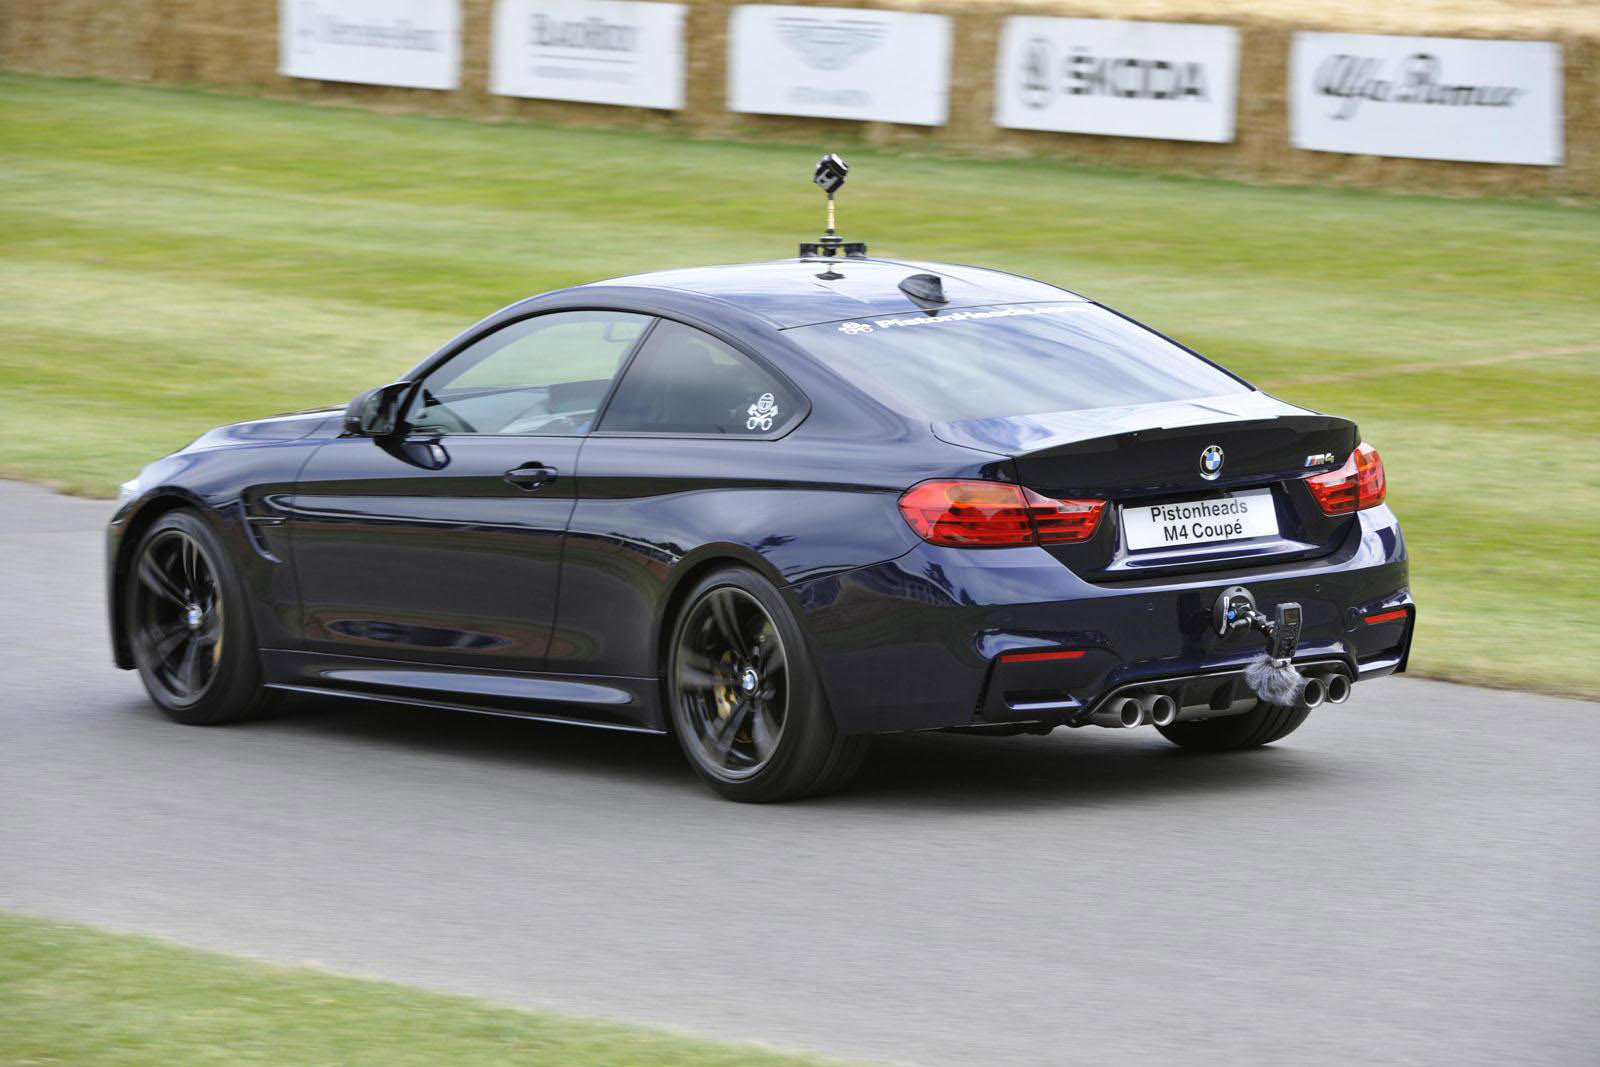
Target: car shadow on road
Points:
(497, 739)
(923, 771)
(1066, 767)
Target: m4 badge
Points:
(1320, 458)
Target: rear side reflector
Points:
(1040, 657)
(1388, 616)
(960, 514)
(1356, 486)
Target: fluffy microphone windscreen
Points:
(1280, 685)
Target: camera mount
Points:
(1235, 609)
(829, 176)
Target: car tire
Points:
(1263, 725)
(737, 651)
(188, 622)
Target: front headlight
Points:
(127, 491)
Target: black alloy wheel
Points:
(179, 624)
(745, 700)
(733, 683)
(185, 617)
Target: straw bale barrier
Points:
(234, 43)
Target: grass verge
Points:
(173, 259)
(74, 995)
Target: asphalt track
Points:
(1411, 878)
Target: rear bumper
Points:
(915, 643)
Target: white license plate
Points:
(1198, 522)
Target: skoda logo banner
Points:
(1173, 81)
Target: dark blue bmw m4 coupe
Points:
(773, 510)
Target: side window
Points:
(685, 381)
(543, 375)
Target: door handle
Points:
(531, 476)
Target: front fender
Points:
(236, 490)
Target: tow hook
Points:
(1271, 675)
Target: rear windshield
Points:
(1015, 359)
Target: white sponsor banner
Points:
(1169, 80)
(1426, 97)
(839, 63)
(627, 52)
(414, 43)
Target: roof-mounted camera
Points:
(830, 174)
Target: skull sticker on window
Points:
(762, 412)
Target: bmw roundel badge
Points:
(1211, 461)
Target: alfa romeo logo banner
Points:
(839, 63)
(1426, 97)
(1173, 81)
(412, 43)
(627, 52)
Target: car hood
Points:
(294, 427)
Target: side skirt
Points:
(415, 703)
(630, 704)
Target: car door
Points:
(683, 455)
(442, 544)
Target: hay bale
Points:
(235, 43)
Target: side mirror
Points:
(376, 412)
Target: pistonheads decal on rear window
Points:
(762, 412)
(958, 316)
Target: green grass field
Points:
(73, 995)
(174, 259)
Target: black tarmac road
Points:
(1411, 878)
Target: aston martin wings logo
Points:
(830, 44)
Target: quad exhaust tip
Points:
(1145, 708)
(1314, 693)
(1138, 709)
(1159, 709)
(1130, 712)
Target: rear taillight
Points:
(1357, 485)
(1063, 522)
(995, 515)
